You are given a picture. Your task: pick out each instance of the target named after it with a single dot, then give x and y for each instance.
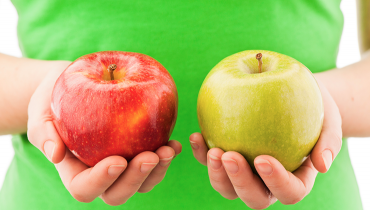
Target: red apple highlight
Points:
(114, 103)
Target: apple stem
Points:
(111, 68)
(259, 58)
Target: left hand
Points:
(231, 175)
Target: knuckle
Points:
(259, 206)
(145, 190)
(201, 159)
(216, 179)
(338, 143)
(296, 200)
(135, 184)
(158, 172)
(335, 139)
(279, 184)
(112, 202)
(293, 200)
(223, 187)
(336, 136)
(31, 133)
(239, 187)
(156, 180)
(216, 187)
(219, 188)
(230, 197)
(101, 181)
(81, 198)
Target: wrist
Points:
(56, 68)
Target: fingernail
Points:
(194, 145)
(115, 170)
(263, 167)
(165, 161)
(215, 162)
(231, 165)
(147, 167)
(49, 149)
(327, 156)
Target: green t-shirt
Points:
(188, 38)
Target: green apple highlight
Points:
(261, 103)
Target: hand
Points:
(232, 177)
(112, 179)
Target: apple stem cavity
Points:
(111, 68)
(259, 58)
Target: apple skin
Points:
(97, 117)
(278, 112)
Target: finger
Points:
(84, 183)
(131, 180)
(218, 176)
(330, 141)
(199, 147)
(176, 146)
(165, 154)
(41, 131)
(248, 186)
(288, 188)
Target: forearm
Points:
(19, 77)
(350, 88)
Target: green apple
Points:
(274, 108)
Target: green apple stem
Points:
(259, 58)
(111, 68)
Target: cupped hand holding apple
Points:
(232, 176)
(112, 179)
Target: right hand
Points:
(231, 175)
(112, 179)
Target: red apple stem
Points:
(259, 58)
(111, 68)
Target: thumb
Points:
(330, 140)
(45, 137)
(41, 130)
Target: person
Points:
(188, 38)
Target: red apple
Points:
(97, 116)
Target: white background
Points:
(349, 53)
